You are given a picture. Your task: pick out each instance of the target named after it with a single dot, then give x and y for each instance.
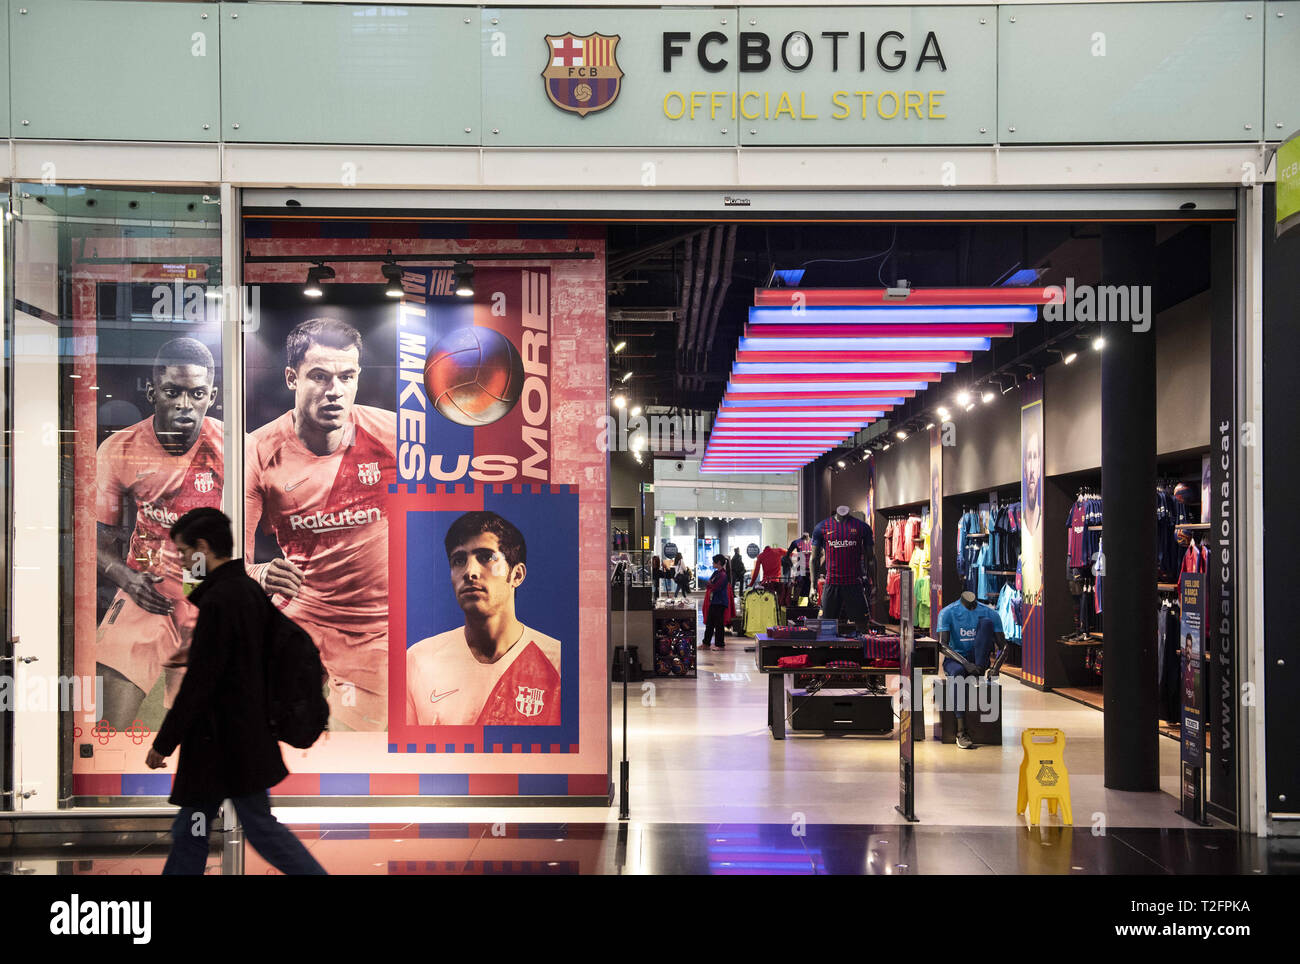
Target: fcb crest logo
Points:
(368, 472)
(529, 701)
(582, 73)
(204, 482)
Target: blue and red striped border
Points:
(369, 785)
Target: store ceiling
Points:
(679, 295)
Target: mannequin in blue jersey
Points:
(843, 550)
(969, 633)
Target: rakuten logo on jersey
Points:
(158, 514)
(841, 543)
(328, 521)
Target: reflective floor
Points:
(610, 848)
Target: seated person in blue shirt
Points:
(969, 631)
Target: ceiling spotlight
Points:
(945, 417)
(963, 398)
(1098, 343)
(1070, 357)
(321, 272)
(638, 443)
(619, 347)
(929, 425)
(636, 410)
(840, 463)
(987, 397)
(900, 435)
(392, 278)
(626, 375)
(462, 274)
(885, 447)
(970, 406)
(943, 412)
(620, 401)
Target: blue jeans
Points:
(270, 838)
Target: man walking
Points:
(220, 716)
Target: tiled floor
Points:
(675, 848)
(712, 792)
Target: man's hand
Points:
(155, 760)
(283, 577)
(140, 587)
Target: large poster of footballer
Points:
(483, 621)
(318, 461)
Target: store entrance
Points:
(986, 478)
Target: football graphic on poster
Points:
(474, 376)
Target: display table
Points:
(819, 652)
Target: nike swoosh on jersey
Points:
(291, 487)
(435, 695)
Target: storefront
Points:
(494, 152)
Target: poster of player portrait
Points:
(159, 453)
(319, 459)
(484, 620)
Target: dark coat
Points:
(219, 718)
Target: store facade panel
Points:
(82, 69)
(1281, 68)
(882, 75)
(331, 74)
(1130, 72)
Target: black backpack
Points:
(295, 681)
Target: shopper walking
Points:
(737, 570)
(717, 604)
(220, 716)
(656, 573)
(682, 576)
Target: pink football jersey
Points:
(447, 686)
(329, 513)
(132, 466)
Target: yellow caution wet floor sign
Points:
(1043, 775)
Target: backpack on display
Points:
(295, 683)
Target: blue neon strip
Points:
(758, 403)
(863, 344)
(838, 368)
(846, 386)
(955, 315)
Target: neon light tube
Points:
(837, 368)
(817, 297)
(893, 316)
(753, 344)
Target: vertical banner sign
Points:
(484, 634)
(1288, 184)
(1222, 695)
(1032, 534)
(936, 521)
(908, 697)
(1191, 631)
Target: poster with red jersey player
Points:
(319, 458)
(484, 546)
(159, 452)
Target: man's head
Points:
(204, 539)
(1033, 470)
(487, 556)
(181, 390)
(323, 364)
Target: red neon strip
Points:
(811, 395)
(763, 378)
(866, 297)
(879, 330)
(920, 357)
